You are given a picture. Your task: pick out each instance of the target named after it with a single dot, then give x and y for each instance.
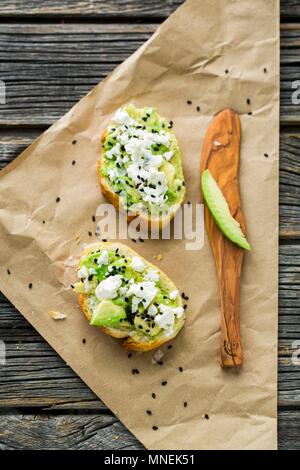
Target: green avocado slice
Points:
(107, 314)
(219, 209)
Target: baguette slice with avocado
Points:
(127, 297)
(140, 169)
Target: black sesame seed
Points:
(90, 234)
(144, 119)
(198, 109)
(206, 416)
(189, 102)
(90, 277)
(84, 340)
(250, 113)
(248, 101)
(30, 285)
(160, 363)
(72, 287)
(44, 221)
(180, 369)
(93, 218)
(265, 70)
(185, 404)
(129, 355)
(104, 240)
(149, 412)
(188, 203)
(153, 396)
(133, 240)
(226, 71)
(266, 155)
(73, 162)
(141, 240)
(185, 306)
(155, 428)
(170, 346)
(74, 141)
(57, 199)
(142, 288)
(8, 271)
(140, 327)
(164, 382)
(135, 371)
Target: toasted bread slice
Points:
(133, 338)
(174, 192)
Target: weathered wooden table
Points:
(53, 52)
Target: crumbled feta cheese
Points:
(157, 356)
(173, 294)
(82, 273)
(165, 320)
(122, 117)
(107, 289)
(146, 291)
(152, 310)
(123, 290)
(87, 285)
(92, 271)
(134, 304)
(152, 275)
(103, 258)
(112, 174)
(177, 311)
(137, 264)
(168, 155)
(114, 152)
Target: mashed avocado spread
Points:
(141, 161)
(123, 292)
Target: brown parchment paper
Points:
(185, 59)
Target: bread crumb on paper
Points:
(57, 315)
(158, 257)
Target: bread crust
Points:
(150, 221)
(129, 343)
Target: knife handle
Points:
(220, 154)
(229, 275)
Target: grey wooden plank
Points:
(67, 431)
(107, 8)
(88, 9)
(12, 143)
(290, 9)
(288, 430)
(59, 63)
(41, 431)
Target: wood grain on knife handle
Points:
(220, 154)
